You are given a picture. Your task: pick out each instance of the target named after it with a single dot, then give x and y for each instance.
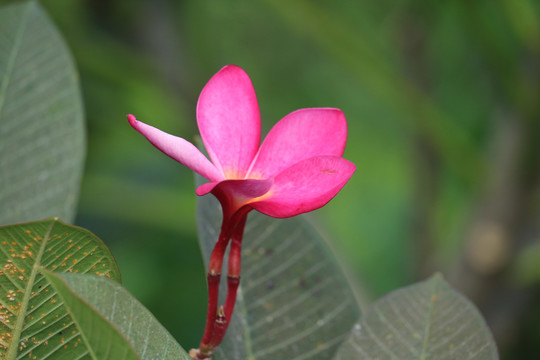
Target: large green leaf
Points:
(34, 323)
(113, 324)
(425, 321)
(294, 301)
(41, 118)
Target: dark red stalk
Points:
(213, 278)
(233, 280)
(217, 322)
(233, 272)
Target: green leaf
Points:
(34, 323)
(425, 321)
(41, 118)
(112, 323)
(294, 301)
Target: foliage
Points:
(113, 324)
(295, 299)
(34, 320)
(42, 139)
(429, 320)
(441, 102)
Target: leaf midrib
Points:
(13, 55)
(12, 352)
(427, 328)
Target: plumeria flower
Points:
(298, 168)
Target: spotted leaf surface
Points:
(115, 325)
(426, 321)
(34, 322)
(294, 301)
(41, 118)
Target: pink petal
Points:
(305, 186)
(302, 134)
(229, 121)
(246, 189)
(206, 188)
(177, 148)
(233, 194)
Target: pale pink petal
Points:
(302, 134)
(177, 148)
(229, 121)
(305, 186)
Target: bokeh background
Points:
(442, 104)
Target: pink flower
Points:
(298, 168)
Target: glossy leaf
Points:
(294, 300)
(41, 118)
(113, 324)
(34, 323)
(425, 321)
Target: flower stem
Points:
(233, 281)
(213, 278)
(217, 322)
(233, 272)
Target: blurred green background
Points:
(441, 101)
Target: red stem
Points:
(213, 277)
(233, 272)
(218, 322)
(233, 279)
